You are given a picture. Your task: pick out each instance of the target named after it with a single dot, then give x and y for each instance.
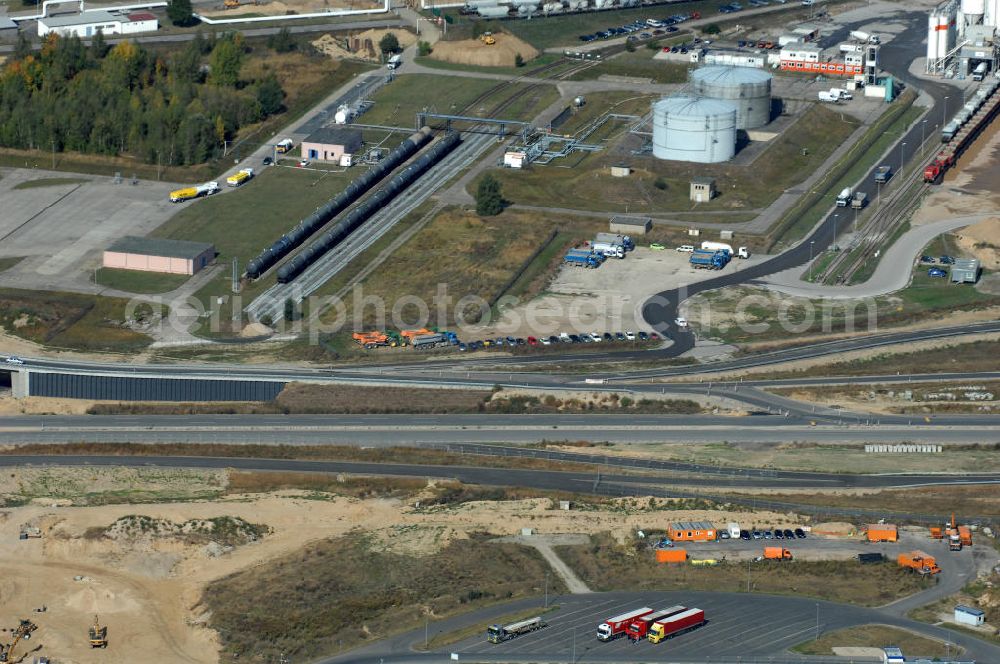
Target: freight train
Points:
(298, 235)
(958, 134)
(332, 237)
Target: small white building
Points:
(966, 615)
(87, 24)
(893, 655)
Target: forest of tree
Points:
(175, 109)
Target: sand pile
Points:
(363, 45)
(475, 52)
(982, 241)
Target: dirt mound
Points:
(474, 52)
(363, 45)
(277, 8)
(226, 530)
(982, 240)
(835, 529)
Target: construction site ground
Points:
(146, 588)
(502, 53)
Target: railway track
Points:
(270, 303)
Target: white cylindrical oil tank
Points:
(973, 7)
(748, 89)
(694, 129)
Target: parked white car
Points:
(14, 360)
(686, 248)
(681, 322)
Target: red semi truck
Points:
(676, 624)
(612, 628)
(639, 627)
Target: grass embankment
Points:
(969, 356)
(876, 636)
(527, 70)
(302, 398)
(658, 186)
(7, 263)
(905, 398)
(981, 501)
(346, 592)
(135, 281)
(48, 182)
(605, 565)
(815, 457)
(980, 594)
(847, 172)
(71, 320)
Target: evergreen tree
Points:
(227, 58)
(270, 96)
(180, 12)
(489, 197)
(282, 41)
(389, 43)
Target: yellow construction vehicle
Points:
(22, 631)
(488, 38)
(231, 4)
(98, 634)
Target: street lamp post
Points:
(944, 112)
(902, 158)
(811, 243)
(923, 128)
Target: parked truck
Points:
(734, 530)
(608, 249)
(883, 173)
(710, 260)
(776, 553)
(625, 241)
(425, 341)
(919, 562)
(859, 201)
(583, 258)
(189, 193)
(844, 198)
(676, 624)
(742, 252)
(242, 177)
(979, 72)
(614, 627)
(639, 627)
(500, 633)
(825, 95)
(284, 145)
(394, 61)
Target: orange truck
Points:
(408, 335)
(965, 534)
(370, 339)
(882, 532)
(777, 553)
(937, 533)
(671, 555)
(919, 562)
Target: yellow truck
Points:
(242, 177)
(188, 193)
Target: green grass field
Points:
(7, 263)
(638, 64)
(585, 181)
(135, 281)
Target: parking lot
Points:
(608, 298)
(62, 229)
(738, 624)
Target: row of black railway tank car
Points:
(323, 215)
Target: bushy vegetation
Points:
(174, 109)
(344, 592)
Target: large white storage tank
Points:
(748, 89)
(694, 129)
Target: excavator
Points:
(98, 634)
(488, 38)
(22, 631)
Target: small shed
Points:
(331, 143)
(965, 271)
(620, 171)
(702, 189)
(152, 254)
(631, 225)
(966, 615)
(692, 531)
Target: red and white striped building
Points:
(809, 59)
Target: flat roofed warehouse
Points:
(630, 225)
(148, 254)
(89, 23)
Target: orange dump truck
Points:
(408, 335)
(965, 534)
(777, 553)
(882, 532)
(671, 555)
(919, 562)
(370, 339)
(937, 533)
